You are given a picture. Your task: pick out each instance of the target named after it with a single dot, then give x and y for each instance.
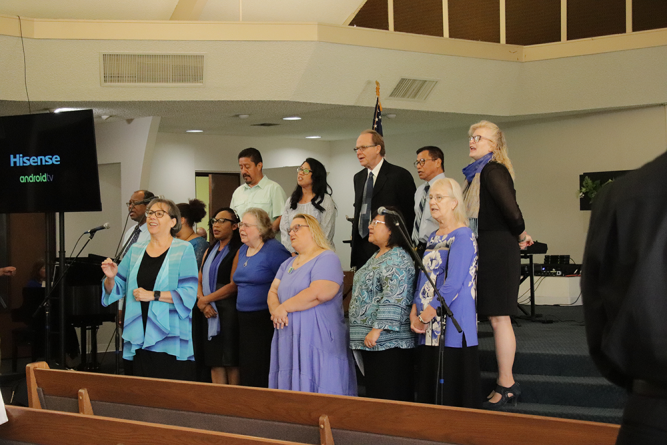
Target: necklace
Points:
(250, 256)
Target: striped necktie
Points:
(135, 237)
(420, 213)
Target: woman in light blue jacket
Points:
(159, 281)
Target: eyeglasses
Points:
(363, 147)
(305, 171)
(296, 228)
(375, 222)
(437, 198)
(157, 213)
(421, 162)
(221, 221)
(243, 225)
(476, 138)
(135, 203)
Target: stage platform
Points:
(557, 376)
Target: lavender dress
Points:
(311, 353)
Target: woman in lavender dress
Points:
(309, 350)
(451, 261)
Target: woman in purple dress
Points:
(309, 350)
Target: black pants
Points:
(255, 336)
(644, 421)
(461, 376)
(388, 374)
(160, 365)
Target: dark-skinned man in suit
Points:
(389, 185)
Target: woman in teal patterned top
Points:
(380, 313)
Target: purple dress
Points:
(311, 354)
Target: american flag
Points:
(377, 116)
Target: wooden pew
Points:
(296, 416)
(44, 427)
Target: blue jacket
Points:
(169, 326)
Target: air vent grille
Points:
(265, 124)
(415, 89)
(152, 69)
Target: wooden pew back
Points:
(296, 415)
(44, 427)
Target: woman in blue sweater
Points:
(159, 281)
(260, 258)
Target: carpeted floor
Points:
(552, 365)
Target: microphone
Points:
(384, 211)
(97, 229)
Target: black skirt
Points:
(498, 274)
(462, 376)
(223, 349)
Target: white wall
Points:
(177, 157)
(548, 157)
(131, 145)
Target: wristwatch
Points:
(156, 295)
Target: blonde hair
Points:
(263, 223)
(500, 154)
(315, 230)
(453, 190)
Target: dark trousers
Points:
(160, 365)
(255, 336)
(644, 421)
(388, 374)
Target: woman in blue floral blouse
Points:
(380, 313)
(451, 260)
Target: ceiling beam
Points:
(188, 10)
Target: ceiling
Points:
(321, 11)
(331, 122)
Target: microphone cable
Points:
(122, 234)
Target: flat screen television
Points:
(48, 163)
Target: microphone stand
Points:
(47, 299)
(440, 384)
(119, 327)
(62, 275)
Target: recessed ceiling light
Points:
(390, 116)
(313, 137)
(64, 110)
(292, 118)
(194, 131)
(243, 116)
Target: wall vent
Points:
(152, 69)
(415, 89)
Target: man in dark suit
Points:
(378, 184)
(624, 288)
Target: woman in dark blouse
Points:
(217, 299)
(495, 217)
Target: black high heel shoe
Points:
(507, 396)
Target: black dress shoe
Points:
(507, 396)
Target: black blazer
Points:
(394, 186)
(623, 280)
